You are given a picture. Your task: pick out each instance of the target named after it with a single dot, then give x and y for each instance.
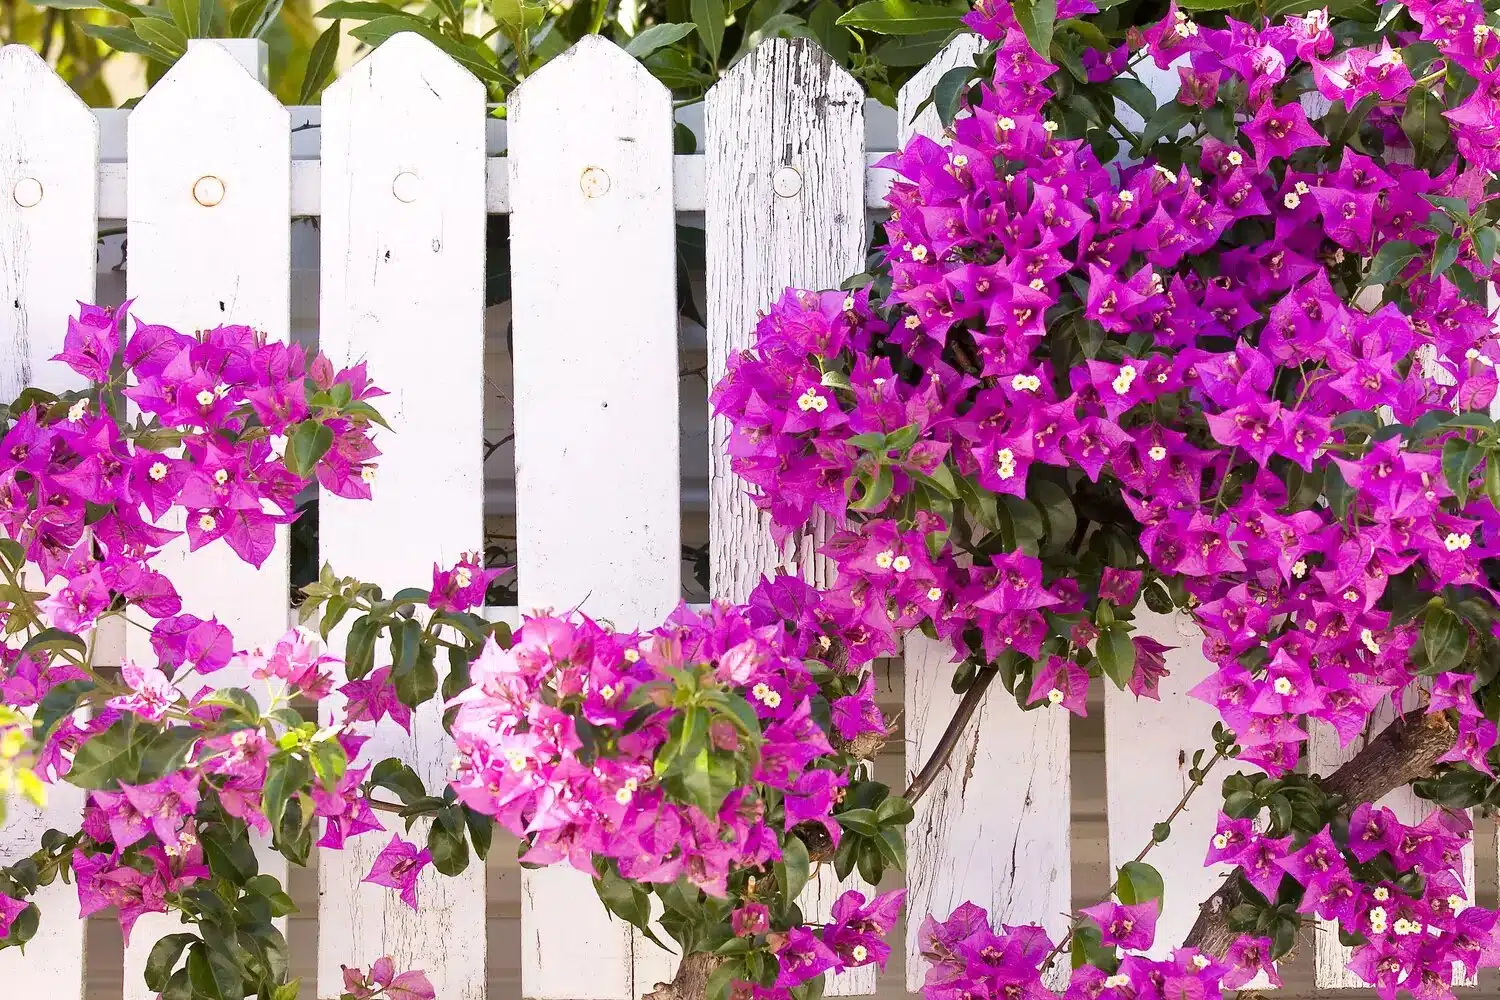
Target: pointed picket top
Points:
(208, 218)
(402, 289)
(959, 52)
(784, 207)
(203, 78)
(591, 54)
(593, 273)
(407, 63)
(49, 154)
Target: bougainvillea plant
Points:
(1237, 364)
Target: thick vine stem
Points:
(691, 981)
(949, 739)
(1406, 751)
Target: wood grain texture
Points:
(1149, 746)
(993, 827)
(402, 289)
(1324, 756)
(49, 143)
(597, 495)
(786, 106)
(194, 266)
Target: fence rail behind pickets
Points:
(208, 190)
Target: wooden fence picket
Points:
(993, 827)
(209, 221)
(784, 207)
(403, 289)
(597, 463)
(49, 155)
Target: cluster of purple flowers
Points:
(1197, 340)
(523, 758)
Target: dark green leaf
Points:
(1116, 654)
(708, 17)
(1138, 882)
(794, 866)
(163, 958)
(1037, 18)
(1423, 120)
(901, 17)
(1390, 261)
(320, 63)
(308, 442)
(657, 36)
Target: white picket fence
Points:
(207, 193)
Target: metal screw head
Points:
(28, 192)
(208, 191)
(406, 186)
(594, 181)
(786, 181)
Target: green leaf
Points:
(113, 755)
(894, 811)
(1460, 459)
(363, 10)
(948, 93)
(708, 17)
(1116, 654)
(1168, 120)
(359, 648)
(285, 774)
(450, 850)
(320, 63)
(1486, 241)
(305, 446)
(795, 866)
(1138, 882)
(901, 17)
(163, 958)
(214, 974)
(1423, 120)
(1037, 18)
(1391, 261)
(162, 34)
(185, 16)
(878, 492)
(52, 640)
(658, 36)
(1135, 94)
(1445, 642)
(397, 777)
(245, 16)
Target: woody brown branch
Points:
(1406, 751)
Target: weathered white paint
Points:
(783, 207)
(193, 267)
(786, 105)
(49, 151)
(1148, 749)
(402, 288)
(593, 274)
(993, 828)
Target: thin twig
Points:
(949, 740)
(1067, 938)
